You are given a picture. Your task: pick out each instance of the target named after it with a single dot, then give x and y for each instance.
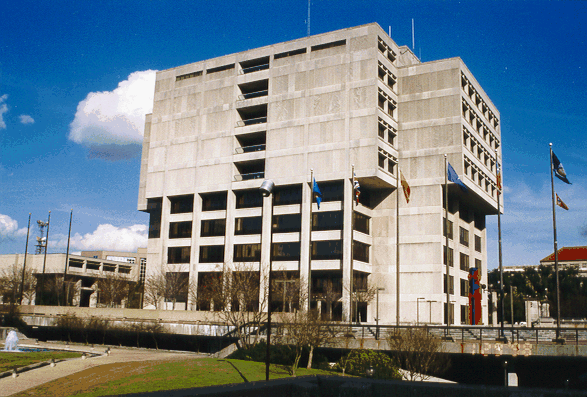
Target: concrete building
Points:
(82, 277)
(325, 103)
(139, 257)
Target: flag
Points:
(454, 177)
(560, 203)
(559, 171)
(356, 188)
(316, 193)
(405, 186)
(498, 178)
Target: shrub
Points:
(358, 361)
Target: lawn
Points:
(9, 361)
(146, 376)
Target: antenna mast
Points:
(309, 17)
(41, 239)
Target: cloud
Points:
(108, 238)
(26, 119)
(9, 227)
(3, 109)
(111, 123)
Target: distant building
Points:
(81, 276)
(567, 256)
(139, 257)
(325, 102)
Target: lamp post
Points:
(418, 310)
(377, 316)
(430, 310)
(266, 189)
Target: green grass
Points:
(148, 376)
(9, 361)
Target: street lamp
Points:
(418, 310)
(430, 310)
(266, 189)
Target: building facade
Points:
(324, 106)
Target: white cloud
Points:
(111, 123)
(26, 119)
(3, 109)
(9, 227)
(109, 238)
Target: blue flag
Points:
(558, 169)
(316, 193)
(454, 177)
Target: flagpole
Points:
(26, 248)
(45, 260)
(397, 257)
(352, 242)
(502, 333)
(310, 243)
(558, 305)
(67, 259)
(447, 251)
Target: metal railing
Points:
(258, 120)
(246, 177)
(250, 149)
(250, 95)
(257, 68)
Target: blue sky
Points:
(77, 77)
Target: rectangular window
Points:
(154, 208)
(289, 53)
(451, 284)
(249, 225)
(328, 220)
(381, 161)
(478, 266)
(178, 254)
(180, 229)
(248, 199)
(220, 68)
(188, 76)
(287, 223)
(328, 249)
(464, 236)
(214, 201)
(450, 256)
(332, 190)
(448, 229)
(464, 288)
(176, 286)
(464, 262)
(211, 253)
(247, 252)
(361, 222)
(477, 243)
(360, 252)
(285, 251)
(285, 195)
(213, 227)
(328, 45)
(464, 314)
(451, 308)
(181, 204)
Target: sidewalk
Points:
(36, 377)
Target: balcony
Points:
(252, 142)
(252, 115)
(247, 170)
(254, 65)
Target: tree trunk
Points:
(310, 357)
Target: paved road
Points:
(36, 377)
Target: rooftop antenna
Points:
(309, 17)
(41, 239)
(413, 37)
(389, 31)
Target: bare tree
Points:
(418, 352)
(11, 279)
(155, 284)
(55, 290)
(165, 285)
(176, 287)
(236, 293)
(363, 292)
(112, 289)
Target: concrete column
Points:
(346, 250)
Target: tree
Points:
(10, 284)
(235, 292)
(155, 289)
(112, 289)
(418, 352)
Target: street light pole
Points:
(418, 310)
(377, 317)
(430, 310)
(266, 189)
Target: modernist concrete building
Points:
(82, 275)
(325, 103)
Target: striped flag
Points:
(560, 203)
(406, 187)
(356, 188)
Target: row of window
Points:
(386, 161)
(387, 104)
(286, 223)
(479, 125)
(320, 250)
(472, 93)
(480, 178)
(463, 235)
(470, 142)
(387, 132)
(386, 50)
(464, 260)
(255, 65)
